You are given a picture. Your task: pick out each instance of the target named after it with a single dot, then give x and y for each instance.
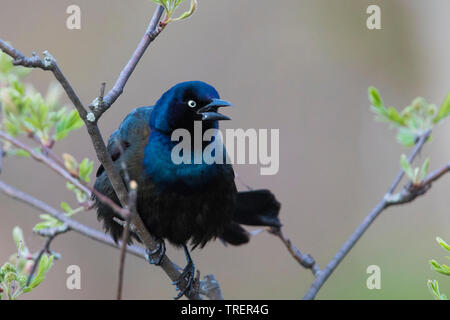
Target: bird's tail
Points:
(253, 208)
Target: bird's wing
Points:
(132, 135)
(113, 150)
(131, 129)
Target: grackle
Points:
(184, 202)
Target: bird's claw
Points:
(186, 280)
(156, 255)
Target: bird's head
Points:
(185, 103)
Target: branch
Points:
(73, 225)
(385, 202)
(126, 234)
(1, 143)
(411, 191)
(64, 173)
(50, 234)
(48, 63)
(209, 285)
(305, 260)
(91, 118)
(99, 106)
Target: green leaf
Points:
(46, 217)
(85, 169)
(44, 266)
(61, 135)
(41, 226)
(443, 244)
(433, 286)
(444, 110)
(406, 166)
(188, 13)
(66, 207)
(70, 163)
(49, 222)
(374, 98)
(172, 5)
(20, 241)
(67, 123)
(18, 153)
(5, 63)
(80, 195)
(424, 169)
(73, 121)
(394, 116)
(11, 128)
(18, 236)
(443, 269)
(406, 137)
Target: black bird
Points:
(181, 202)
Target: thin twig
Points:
(348, 245)
(47, 63)
(305, 260)
(49, 234)
(64, 173)
(46, 148)
(126, 234)
(1, 143)
(151, 33)
(44, 249)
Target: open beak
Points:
(209, 112)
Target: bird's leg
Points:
(187, 277)
(156, 255)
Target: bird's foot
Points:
(156, 255)
(186, 280)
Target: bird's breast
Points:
(160, 168)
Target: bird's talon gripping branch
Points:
(187, 278)
(156, 255)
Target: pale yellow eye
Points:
(192, 103)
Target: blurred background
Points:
(303, 67)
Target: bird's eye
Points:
(192, 103)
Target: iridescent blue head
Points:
(179, 108)
(185, 103)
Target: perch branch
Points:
(305, 260)
(91, 118)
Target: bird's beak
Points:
(209, 112)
